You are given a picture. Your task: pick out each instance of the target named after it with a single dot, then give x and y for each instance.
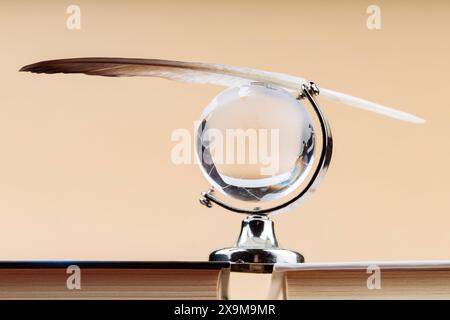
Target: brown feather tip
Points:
(39, 67)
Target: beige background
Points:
(85, 170)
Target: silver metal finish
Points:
(203, 200)
(308, 91)
(312, 88)
(256, 248)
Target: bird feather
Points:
(205, 73)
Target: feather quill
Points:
(197, 72)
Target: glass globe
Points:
(255, 142)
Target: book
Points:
(113, 280)
(362, 280)
(212, 280)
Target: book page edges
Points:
(412, 264)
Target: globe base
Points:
(256, 249)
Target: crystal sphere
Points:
(255, 142)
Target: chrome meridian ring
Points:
(308, 92)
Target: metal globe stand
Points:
(256, 246)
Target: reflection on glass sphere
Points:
(255, 142)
